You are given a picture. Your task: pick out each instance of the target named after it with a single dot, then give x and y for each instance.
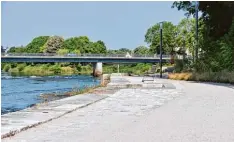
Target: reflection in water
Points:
(21, 92)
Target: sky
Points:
(118, 24)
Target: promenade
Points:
(163, 111)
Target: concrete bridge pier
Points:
(97, 69)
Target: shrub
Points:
(6, 67)
(179, 65)
(56, 69)
(79, 67)
(222, 77)
(14, 70)
(67, 70)
(21, 67)
(62, 51)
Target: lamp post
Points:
(196, 14)
(161, 26)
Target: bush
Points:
(67, 70)
(179, 65)
(62, 51)
(56, 69)
(2, 65)
(6, 67)
(78, 67)
(221, 77)
(45, 66)
(180, 76)
(13, 70)
(21, 67)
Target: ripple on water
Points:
(21, 92)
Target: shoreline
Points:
(49, 97)
(45, 112)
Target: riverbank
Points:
(15, 122)
(20, 92)
(37, 69)
(186, 111)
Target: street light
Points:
(196, 14)
(161, 27)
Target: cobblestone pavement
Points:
(197, 112)
(117, 110)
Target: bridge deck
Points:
(104, 59)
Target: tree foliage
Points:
(119, 51)
(152, 37)
(35, 45)
(62, 51)
(141, 50)
(216, 34)
(216, 14)
(53, 44)
(17, 50)
(56, 44)
(185, 38)
(84, 45)
(81, 43)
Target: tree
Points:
(77, 51)
(152, 37)
(35, 45)
(119, 51)
(17, 50)
(97, 47)
(101, 47)
(53, 44)
(185, 38)
(216, 34)
(63, 51)
(217, 15)
(81, 43)
(124, 50)
(227, 49)
(141, 50)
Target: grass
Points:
(219, 77)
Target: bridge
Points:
(96, 59)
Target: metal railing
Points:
(92, 55)
(85, 55)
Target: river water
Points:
(21, 92)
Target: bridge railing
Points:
(96, 55)
(88, 55)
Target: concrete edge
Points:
(12, 133)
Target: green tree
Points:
(215, 34)
(81, 43)
(185, 38)
(124, 50)
(77, 51)
(63, 51)
(35, 45)
(217, 15)
(141, 50)
(152, 37)
(17, 50)
(119, 51)
(97, 47)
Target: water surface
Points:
(21, 92)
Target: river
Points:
(20, 92)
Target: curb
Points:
(13, 132)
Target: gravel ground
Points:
(196, 112)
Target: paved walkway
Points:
(192, 112)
